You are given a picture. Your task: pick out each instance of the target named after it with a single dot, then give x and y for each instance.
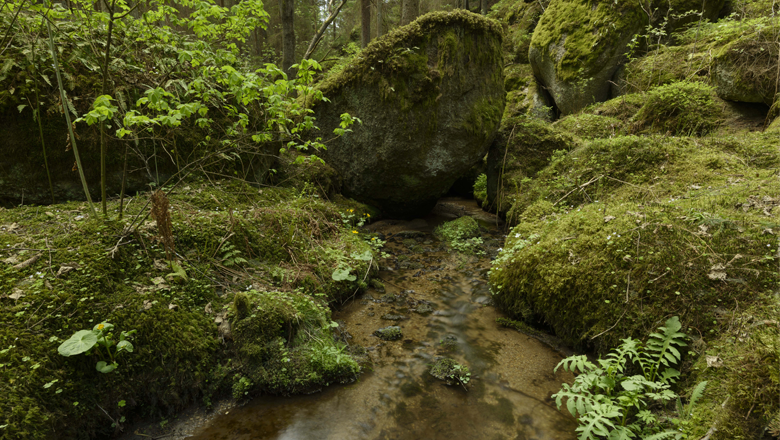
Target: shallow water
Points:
(512, 378)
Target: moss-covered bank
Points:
(251, 315)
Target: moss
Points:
(284, 343)
(523, 147)
(625, 245)
(586, 32)
(519, 20)
(480, 189)
(680, 108)
(392, 333)
(377, 62)
(589, 126)
(289, 243)
(461, 228)
(743, 386)
(666, 65)
(623, 107)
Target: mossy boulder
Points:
(745, 70)
(431, 96)
(284, 343)
(519, 18)
(522, 148)
(391, 333)
(525, 96)
(620, 233)
(578, 45)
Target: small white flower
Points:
(500, 249)
(517, 235)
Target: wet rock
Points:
(393, 317)
(391, 333)
(377, 285)
(423, 309)
(450, 371)
(410, 234)
(449, 343)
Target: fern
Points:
(663, 345)
(613, 405)
(698, 391)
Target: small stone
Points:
(392, 317)
(391, 333)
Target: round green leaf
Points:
(124, 345)
(106, 368)
(80, 342)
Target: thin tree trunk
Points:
(411, 9)
(365, 22)
(287, 9)
(322, 29)
(379, 6)
(483, 7)
(104, 91)
(67, 118)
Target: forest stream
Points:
(441, 302)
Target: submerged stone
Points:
(430, 96)
(391, 333)
(393, 317)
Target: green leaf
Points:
(106, 368)
(124, 345)
(21, 107)
(365, 256)
(342, 274)
(80, 342)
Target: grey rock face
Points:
(431, 96)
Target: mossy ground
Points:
(259, 260)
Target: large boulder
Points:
(745, 70)
(430, 96)
(578, 45)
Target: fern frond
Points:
(665, 435)
(697, 393)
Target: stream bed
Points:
(440, 301)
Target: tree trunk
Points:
(287, 8)
(483, 7)
(411, 9)
(321, 31)
(379, 7)
(365, 22)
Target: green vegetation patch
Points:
(589, 126)
(195, 336)
(523, 147)
(461, 234)
(681, 108)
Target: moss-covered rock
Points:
(578, 45)
(430, 96)
(745, 70)
(284, 343)
(519, 19)
(523, 147)
(680, 108)
(391, 333)
(590, 126)
(619, 233)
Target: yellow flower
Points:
(100, 326)
(373, 238)
(368, 215)
(354, 232)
